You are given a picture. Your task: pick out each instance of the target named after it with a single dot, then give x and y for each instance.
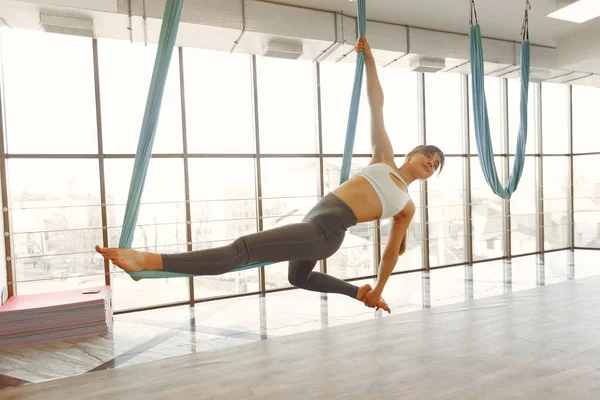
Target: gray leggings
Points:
(318, 236)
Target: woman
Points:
(378, 191)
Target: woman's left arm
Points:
(391, 252)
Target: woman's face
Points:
(423, 165)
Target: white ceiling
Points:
(218, 24)
(98, 5)
(500, 19)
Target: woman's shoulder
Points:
(387, 163)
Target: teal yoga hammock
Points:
(480, 114)
(166, 43)
(355, 100)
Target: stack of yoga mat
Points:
(27, 320)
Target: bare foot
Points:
(131, 260)
(364, 289)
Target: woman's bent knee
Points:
(297, 278)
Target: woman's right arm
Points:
(380, 142)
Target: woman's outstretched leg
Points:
(291, 242)
(317, 237)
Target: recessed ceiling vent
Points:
(289, 50)
(427, 64)
(67, 25)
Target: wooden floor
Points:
(542, 343)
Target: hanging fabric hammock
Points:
(480, 114)
(166, 44)
(355, 100)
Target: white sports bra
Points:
(393, 199)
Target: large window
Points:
(218, 102)
(125, 74)
(523, 216)
(336, 92)
(54, 202)
(523, 200)
(400, 108)
(443, 112)
(586, 185)
(444, 124)
(286, 110)
(446, 215)
(125, 71)
(49, 87)
(56, 222)
(586, 119)
(290, 188)
(556, 194)
(486, 213)
(160, 227)
(162, 210)
(555, 118)
(223, 208)
(555, 140)
(222, 190)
